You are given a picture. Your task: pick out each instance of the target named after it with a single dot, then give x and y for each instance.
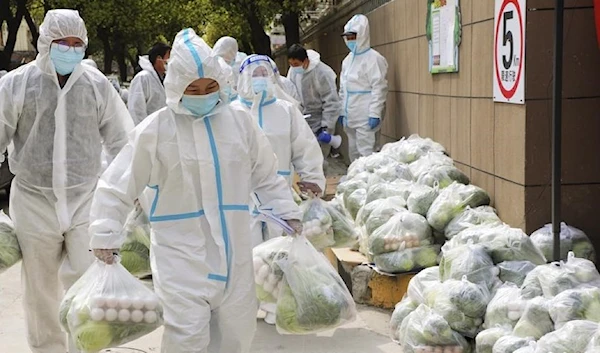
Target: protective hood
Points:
(192, 59)
(90, 62)
(58, 24)
(279, 90)
(314, 59)
(359, 24)
(226, 48)
(252, 63)
(145, 64)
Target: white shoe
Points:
(270, 318)
(261, 314)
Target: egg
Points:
(112, 301)
(387, 247)
(111, 314)
(272, 278)
(280, 285)
(97, 301)
(151, 303)
(275, 293)
(124, 315)
(124, 302)
(97, 314)
(258, 262)
(150, 317)
(514, 315)
(137, 316)
(268, 287)
(137, 303)
(395, 247)
(317, 230)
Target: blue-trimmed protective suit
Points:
(363, 89)
(201, 171)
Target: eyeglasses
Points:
(64, 47)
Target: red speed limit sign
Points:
(509, 51)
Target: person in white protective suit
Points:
(58, 114)
(287, 86)
(227, 48)
(201, 158)
(239, 59)
(147, 92)
(90, 62)
(363, 89)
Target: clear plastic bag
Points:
(471, 261)
(573, 337)
(401, 311)
(424, 330)
(422, 284)
(346, 188)
(463, 305)
(509, 344)
(575, 304)
(571, 239)
(404, 228)
(313, 298)
(452, 201)
(135, 251)
(317, 224)
(472, 217)
(355, 201)
(505, 308)
(530, 348)
(268, 276)
(531, 286)
(344, 233)
(110, 308)
(513, 244)
(594, 344)
(535, 320)
(410, 149)
(377, 213)
(515, 271)
(10, 251)
(384, 190)
(428, 162)
(421, 198)
(443, 176)
(406, 260)
(557, 277)
(378, 160)
(393, 172)
(485, 340)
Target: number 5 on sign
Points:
(509, 51)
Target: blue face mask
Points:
(259, 84)
(351, 44)
(298, 69)
(65, 61)
(200, 105)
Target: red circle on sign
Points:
(509, 93)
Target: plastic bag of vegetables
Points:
(471, 261)
(378, 160)
(10, 251)
(424, 330)
(574, 273)
(344, 234)
(355, 201)
(111, 308)
(401, 311)
(443, 176)
(428, 162)
(575, 304)
(375, 214)
(317, 223)
(410, 149)
(422, 284)
(462, 304)
(535, 320)
(530, 348)
(407, 259)
(314, 297)
(267, 274)
(505, 308)
(384, 190)
(479, 234)
(135, 251)
(512, 244)
(509, 344)
(573, 337)
(594, 344)
(531, 286)
(421, 198)
(571, 239)
(452, 201)
(515, 271)
(406, 228)
(472, 217)
(485, 340)
(344, 189)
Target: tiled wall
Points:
(504, 148)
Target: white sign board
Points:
(509, 51)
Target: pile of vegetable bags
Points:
(571, 239)
(108, 307)
(10, 251)
(309, 294)
(135, 251)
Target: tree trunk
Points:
(261, 42)
(245, 48)
(13, 30)
(103, 35)
(35, 34)
(120, 56)
(291, 23)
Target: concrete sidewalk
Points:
(368, 334)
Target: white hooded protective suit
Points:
(58, 135)
(227, 48)
(201, 171)
(318, 93)
(285, 88)
(146, 93)
(363, 89)
(290, 136)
